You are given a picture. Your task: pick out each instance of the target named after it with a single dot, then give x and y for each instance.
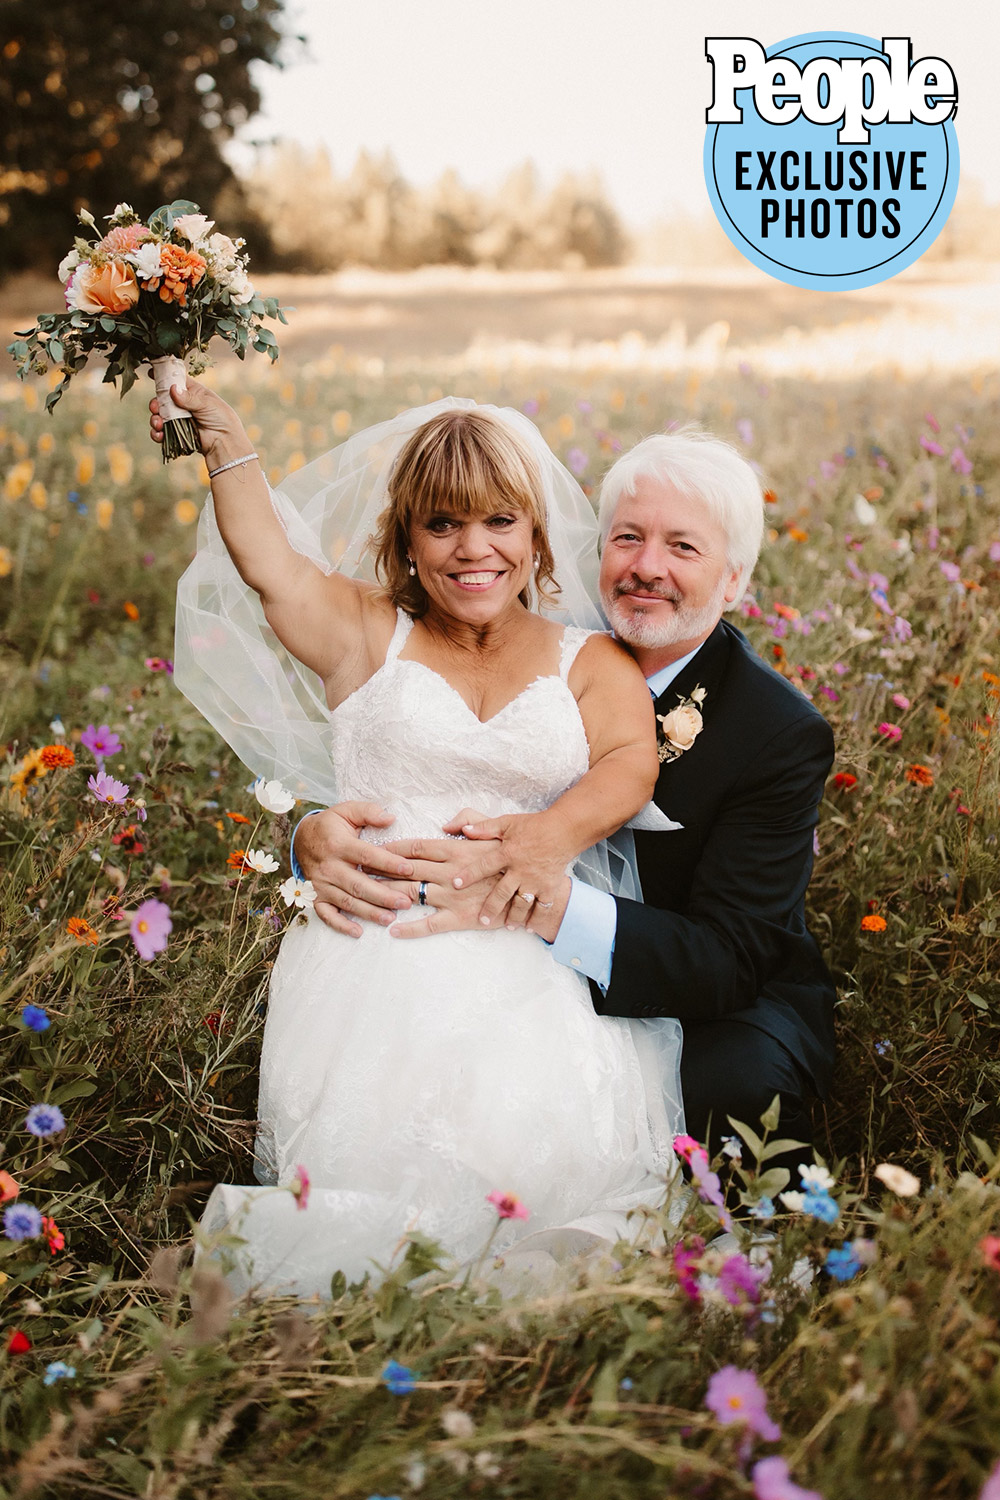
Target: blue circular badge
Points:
(807, 197)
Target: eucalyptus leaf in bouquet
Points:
(150, 293)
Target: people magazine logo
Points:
(830, 161)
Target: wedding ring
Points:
(542, 903)
(526, 896)
(422, 893)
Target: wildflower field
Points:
(846, 1343)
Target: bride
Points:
(408, 1080)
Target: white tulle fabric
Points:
(411, 1079)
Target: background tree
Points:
(123, 100)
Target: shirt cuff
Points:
(296, 867)
(586, 937)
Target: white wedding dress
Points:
(411, 1079)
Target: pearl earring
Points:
(538, 563)
(413, 571)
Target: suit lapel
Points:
(706, 669)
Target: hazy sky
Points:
(578, 83)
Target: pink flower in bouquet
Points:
(111, 288)
(193, 227)
(126, 237)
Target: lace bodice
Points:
(407, 740)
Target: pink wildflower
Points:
(300, 1186)
(106, 789)
(101, 742)
(687, 1147)
(991, 1489)
(901, 701)
(739, 1281)
(149, 927)
(734, 1395)
(930, 446)
(771, 1481)
(507, 1205)
(951, 571)
(960, 461)
(890, 732)
(686, 1258)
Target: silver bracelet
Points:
(232, 464)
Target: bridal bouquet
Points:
(155, 293)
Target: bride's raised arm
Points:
(316, 616)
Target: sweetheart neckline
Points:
(409, 662)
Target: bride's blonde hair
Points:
(468, 463)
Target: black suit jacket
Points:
(721, 931)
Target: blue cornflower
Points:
(35, 1018)
(883, 1048)
(58, 1370)
(625, 1385)
(821, 1206)
(22, 1221)
(763, 1208)
(843, 1264)
(398, 1379)
(44, 1120)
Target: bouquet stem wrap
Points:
(180, 435)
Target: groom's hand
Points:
(482, 878)
(341, 866)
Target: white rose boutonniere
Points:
(680, 727)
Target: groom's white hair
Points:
(705, 468)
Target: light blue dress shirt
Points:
(586, 937)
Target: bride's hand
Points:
(341, 866)
(218, 425)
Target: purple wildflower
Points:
(734, 1395)
(44, 1120)
(739, 1281)
(951, 571)
(150, 927)
(22, 1221)
(106, 789)
(901, 629)
(530, 407)
(745, 429)
(771, 1481)
(960, 461)
(101, 742)
(576, 461)
(994, 551)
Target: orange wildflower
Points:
(57, 755)
(845, 781)
(81, 930)
(797, 534)
(787, 611)
(132, 610)
(31, 769)
(9, 1189)
(182, 269)
(237, 860)
(770, 498)
(54, 1237)
(920, 775)
(873, 923)
(237, 817)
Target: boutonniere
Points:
(680, 727)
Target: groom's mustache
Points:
(636, 585)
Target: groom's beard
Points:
(637, 626)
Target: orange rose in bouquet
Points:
(111, 288)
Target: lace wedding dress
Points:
(410, 1079)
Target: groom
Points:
(720, 939)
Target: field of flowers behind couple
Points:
(147, 884)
